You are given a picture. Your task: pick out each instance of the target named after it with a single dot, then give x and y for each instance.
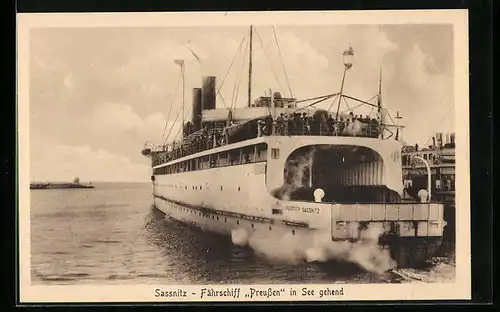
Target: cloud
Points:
(64, 162)
(115, 88)
(113, 119)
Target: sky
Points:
(97, 95)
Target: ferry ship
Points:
(440, 159)
(274, 167)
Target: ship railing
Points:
(206, 139)
(370, 130)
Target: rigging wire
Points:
(346, 104)
(178, 113)
(267, 57)
(349, 110)
(171, 105)
(282, 62)
(233, 106)
(442, 121)
(229, 68)
(315, 98)
(237, 81)
(359, 105)
(314, 103)
(334, 99)
(177, 134)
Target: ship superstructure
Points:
(281, 165)
(440, 157)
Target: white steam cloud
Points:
(294, 172)
(315, 246)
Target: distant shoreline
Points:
(93, 182)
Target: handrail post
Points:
(429, 180)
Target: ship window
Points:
(261, 152)
(205, 162)
(275, 153)
(248, 154)
(199, 163)
(223, 157)
(213, 160)
(235, 157)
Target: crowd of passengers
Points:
(285, 124)
(304, 124)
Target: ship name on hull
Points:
(302, 209)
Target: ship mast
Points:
(397, 125)
(181, 64)
(348, 55)
(379, 104)
(183, 93)
(250, 68)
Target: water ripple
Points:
(132, 242)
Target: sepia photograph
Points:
(243, 156)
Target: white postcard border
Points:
(459, 289)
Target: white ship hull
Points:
(229, 198)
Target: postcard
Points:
(243, 156)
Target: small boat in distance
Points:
(76, 184)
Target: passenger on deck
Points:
(290, 125)
(260, 125)
(284, 129)
(279, 124)
(299, 124)
(269, 125)
(330, 121)
(305, 123)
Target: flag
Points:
(194, 54)
(179, 62)
(350, 51)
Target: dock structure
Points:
(49, 185)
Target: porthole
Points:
(293, 232)
(238, 222)
(238, 188)
(269, 228)
(217, 217)
(221, 187)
